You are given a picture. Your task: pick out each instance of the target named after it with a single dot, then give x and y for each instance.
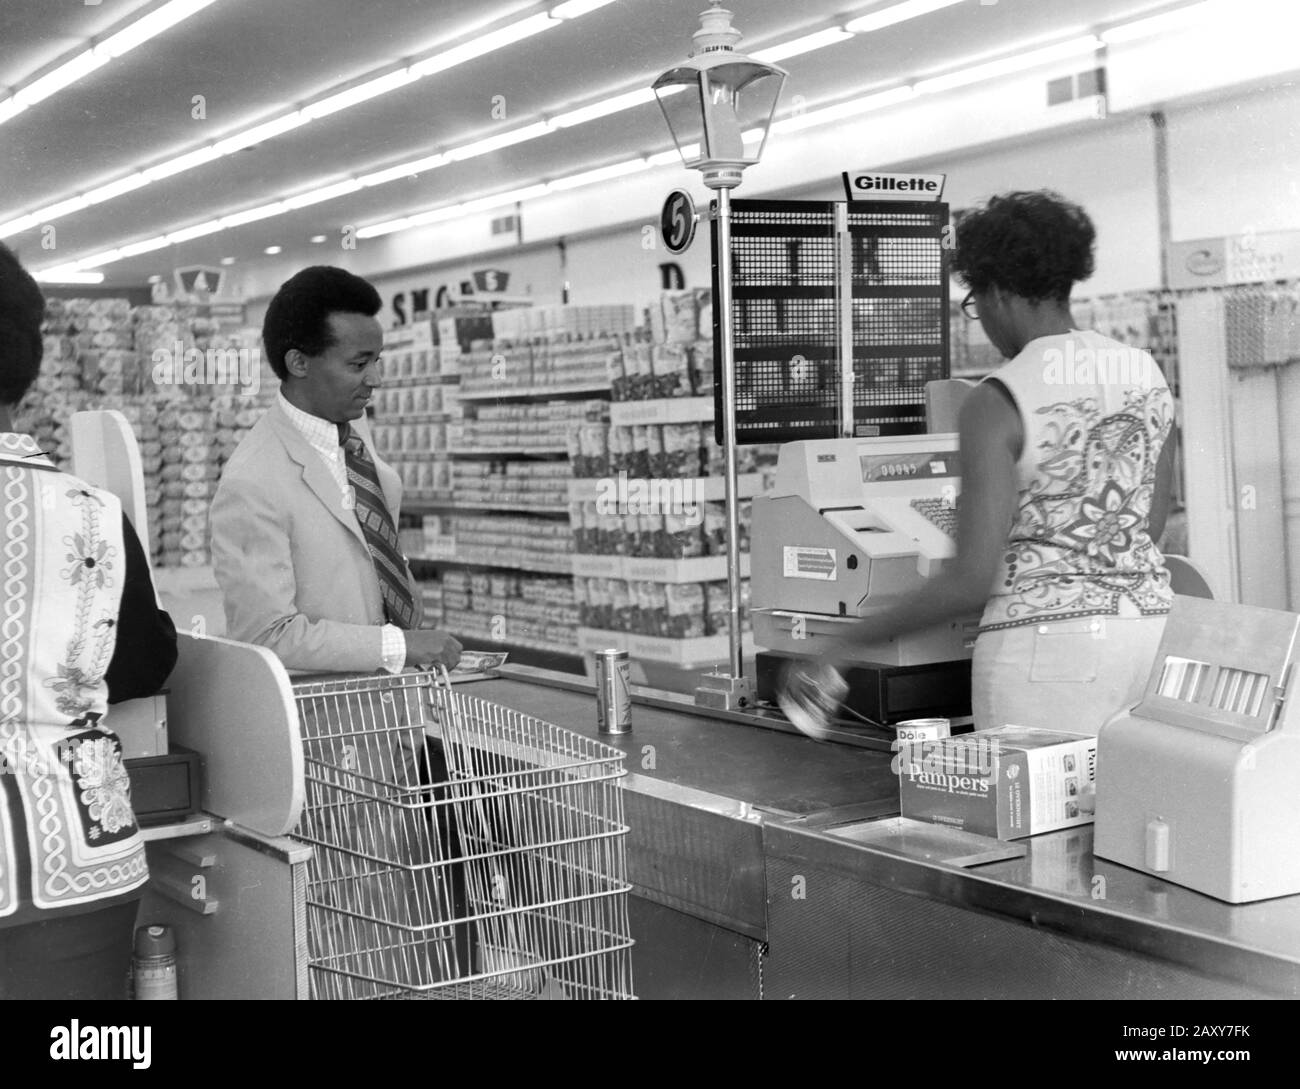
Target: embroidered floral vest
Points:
(1096, 415)
(62, 565)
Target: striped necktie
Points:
(377, 525)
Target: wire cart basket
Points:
(490, 866)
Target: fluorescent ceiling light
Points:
(316, 240)
(212, 226)
(604, 173)
(63, 76)
(105, 258)
(266, 211)
(604, 108)
(273, 250)
(362, 93)
(65, 274)
(501, 140)
(227, 260)
(341, 189)
(806, 44)
(63, 208)
(179, 165)
(515, 196)
(170, 14)
(438, 215)
(571, 9)
(137, 248)
(486, 43)
(17, 226)
(898, 13)
(116, 189)
(404, 170)
(1007, 65)
(841, 110)
(664, 158)
(258, 133)
(153, 24)
(1159, 24)
(377, 229)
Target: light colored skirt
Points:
(1070, 675)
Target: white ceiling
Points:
(256, 59)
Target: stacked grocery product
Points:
(671, 610)
(525, 484)
(190, 471)
(678, 451)
(165, 368)
(509, 608)
(673, 357)
(529, 544)
(526, 428)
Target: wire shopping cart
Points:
(494, 868)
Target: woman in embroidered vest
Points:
(1067, 462)
(81, 629)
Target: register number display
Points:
(889, 468)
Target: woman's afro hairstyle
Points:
(1036, 245)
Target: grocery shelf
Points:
(708, 489)
(503, 560)
(507, 451)
(663, 410)
(486, 508)
(530, 393)
(655, 569)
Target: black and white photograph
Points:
(587, 500)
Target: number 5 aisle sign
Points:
(677, 222)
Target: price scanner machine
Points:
(851, 525)
(1199, 784)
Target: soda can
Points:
(923, 729)
(613, 696)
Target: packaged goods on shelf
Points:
(718, 607)
(578, 321)
(682, 317)
(529, 426)
(521, 483)
(508, 607)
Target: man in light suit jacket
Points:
(304, 520)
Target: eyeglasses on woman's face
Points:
(968, 307)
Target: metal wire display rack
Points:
(492, 865)
(840, 317)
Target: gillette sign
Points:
(872, 185)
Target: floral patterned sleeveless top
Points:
(1095, 415)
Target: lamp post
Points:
(719, 105)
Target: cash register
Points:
(850, 526)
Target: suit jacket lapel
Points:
(314, 473)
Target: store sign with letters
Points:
(873, 185)
(1238, 259)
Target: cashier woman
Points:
(1067, 460)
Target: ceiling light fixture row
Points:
(112, 47)
(497, 39)
(331, 104)
(883, 98)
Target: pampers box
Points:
(1011, 782)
